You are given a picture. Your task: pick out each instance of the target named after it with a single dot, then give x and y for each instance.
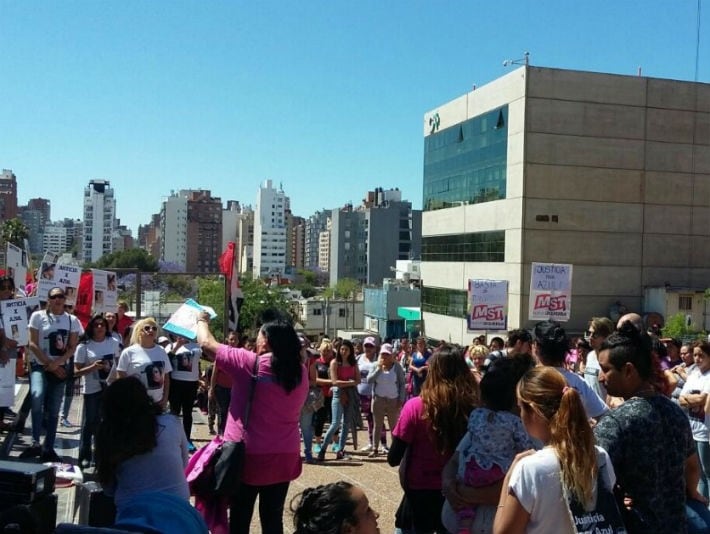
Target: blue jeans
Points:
(306, 424)
(336, 421)
(698, 517)
(92, 405)
(46, 400)
(704, 457)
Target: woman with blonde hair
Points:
(540, 486)
(148, 361)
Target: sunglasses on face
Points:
(53, 297)
(148, 329)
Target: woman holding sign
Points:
(8, 355)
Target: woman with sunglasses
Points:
(92, 362)
(8, 355)
(54, 335)
(148, 361)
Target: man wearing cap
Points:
(365, 362)
(388, 392)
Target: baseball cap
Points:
(369, 340)
(163, 339)
(386, 349)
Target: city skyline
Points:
(322, 97)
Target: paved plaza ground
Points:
(379, 480)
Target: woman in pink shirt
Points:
(271, 437)
(429, 428)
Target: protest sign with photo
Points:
(15, 315)
(16, 265)
(67, 277)
(105, 296)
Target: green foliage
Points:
(134, 258)
(14, 231)
(345, 288)
(257, 298)
(676, 326)
(307, 291)
(210, 292)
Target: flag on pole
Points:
(228, 267)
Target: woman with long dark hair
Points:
(345, 404)
(138, 448)
(271, 437)
(429, 428)
(93, 361)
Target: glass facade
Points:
(466, 163)
(442, 301)
(474, 247)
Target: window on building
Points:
(342, 312)
(473, 247)
(317, 311)
(443, 301)
(685, 302)
(467, 162)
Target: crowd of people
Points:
(536, 433)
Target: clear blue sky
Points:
(325, 97)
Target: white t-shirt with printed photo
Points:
(90, 352)
(185, 362)
(149, 365)
(54, 332)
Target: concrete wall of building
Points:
(623, 165)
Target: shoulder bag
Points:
(605, 517)
(216, 469)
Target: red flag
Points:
(84, 298)
(228, 266)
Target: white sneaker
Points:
(366, 448)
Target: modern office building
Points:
(99, 220)
(173, 229)
(245, 240)
(270, 240)
(608, 173)
(366, 241)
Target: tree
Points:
(259, 297)
(14, 231)
(678, 327)
(344, 288)
(132, 258)
(210, 293)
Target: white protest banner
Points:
(15, 318)
(16, 265)
(550, 291)
(183, 321)
(46, 275)
(67, 277)
(105, 293)
(488, 304)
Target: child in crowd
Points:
(495, 434)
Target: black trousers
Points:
(271, 508)
(182, 398)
